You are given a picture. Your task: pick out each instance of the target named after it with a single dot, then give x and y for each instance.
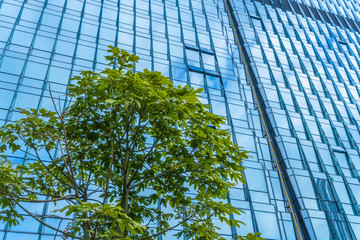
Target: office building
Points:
(286, 75)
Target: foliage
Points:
(130, 157)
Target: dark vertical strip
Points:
(305, 10)
(352, 24)
(315, 13)
(286, 5)
(277, 3)
(357, 24)
(268, 2)
(343, 21)
(296, 7)
(98, 36)
(325, 16)
(334, 19)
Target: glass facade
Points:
(286, 75)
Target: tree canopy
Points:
(129, 157)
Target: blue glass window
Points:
(14, 235)
(244, 217)
(125, 38)
(126, 18)
(305, 186)
(218, 108)
(268, 225)
(246, 141)
(213, 82)
(22, 38)
(89, 29)
(85, 52)
(142, 42)
(158, 26)
(12, 65)
(36, 70)
(6, 97)
(66, 48)
(30, 15)
(50, 20)
(10, 9)
(59, 75)
(193, 57)
(70, 25)
(25, 100)
(321, 228)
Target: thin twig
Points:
(58, 228)
(77, 122)
(61, 112)
(52, 99)
(69, 171)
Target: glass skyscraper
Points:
(286, 74)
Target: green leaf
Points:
(111, 101)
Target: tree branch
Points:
(67, 145)
(149, 179)
(70, 171)
(43, 223)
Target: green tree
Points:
(130, 157)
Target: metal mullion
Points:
(117, 25)
(198, 45)
(345, 104)
(166, 35)
(98, 36)
(150, 33)
(202, 63)
(41, 95)
(183, 41)
(280, 97)
(352, 9)
(335, 86)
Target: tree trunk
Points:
(125, 196)
(86, 230)
(124, 202)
